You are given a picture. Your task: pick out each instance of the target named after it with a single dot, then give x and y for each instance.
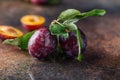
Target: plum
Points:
(32, 22)
(37, 2)
(42, 43)
(9, 32)
(70, 45)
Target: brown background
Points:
(102, 56)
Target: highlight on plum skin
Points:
(42, 43)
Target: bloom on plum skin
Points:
(42, 43)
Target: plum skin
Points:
(42, 43)
(70, 45)
(32, 27)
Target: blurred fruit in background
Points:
(25, 0)
(54, 1)
(9, 32)
(40, 2)
(32, 22)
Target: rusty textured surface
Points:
(13, 63)
(101, 57)
(71, 70)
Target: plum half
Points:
(32, 22)
(9, 32)
(42, 43)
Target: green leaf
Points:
(24, 40)
(65, 35)
(15, 42)
(58, 29)
(71, 21)
(68, 14)
(21, 42)
(95, 12)
(70, 24)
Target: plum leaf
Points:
(58, 29)
(95, 12)
(21, 42)
(68, 14)
(70, 24)
(24, 40)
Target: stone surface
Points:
(71, 70)
(101, 57)
(13, 63)
(103, 41)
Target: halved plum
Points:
(32, 22)
(9, 32)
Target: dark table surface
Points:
(102, 56)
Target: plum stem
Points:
(58, 45)
(56, 21)
(79, 58)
